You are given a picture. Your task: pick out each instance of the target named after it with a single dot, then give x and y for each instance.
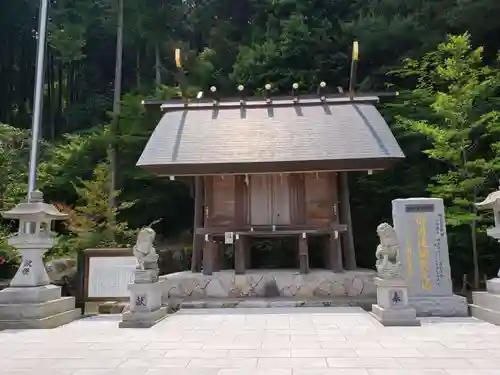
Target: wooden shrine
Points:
(271, 166)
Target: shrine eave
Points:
(291, 137)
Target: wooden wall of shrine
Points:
(271, 199)
(268, 205)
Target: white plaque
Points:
(110, 276)
(228, 237)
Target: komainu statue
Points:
(145, 253)
(388, 266)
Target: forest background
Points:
(442, 55)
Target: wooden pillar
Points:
(209, 248)
(327, 259)
(218, 256)
(239, 255)
(248, 253)
(335, 253)
(241, 244)
(345, 218)
(335, 246)
(222, 253)
(197, 223)
(303, 254)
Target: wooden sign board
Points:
(107, 274)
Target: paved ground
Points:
(300, 341)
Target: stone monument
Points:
(392, 307)
(486, 305)
(421, 229)
(145, 308)
(30, 301)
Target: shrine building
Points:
(271, 167)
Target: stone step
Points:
(36, 310)
(453, 305)
(485, 314)
(395, 317)
(44, 323)
(35, 294)
(143, 319)
(487, 300)
(270, 303)
(142, 316)
(112, 307)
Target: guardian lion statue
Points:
(144, 251)
(388, 266)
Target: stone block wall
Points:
(270, 284)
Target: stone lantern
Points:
(31, 301)
(486, 305)
(33, 239)
(492, 202)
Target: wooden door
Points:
(319, 200)
(260, 200)
(281, 200)
(222, 208)
(269, 200)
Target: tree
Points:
(226, 43)
(460, 94)
(13, 172)
(14, 151)
(90, 223)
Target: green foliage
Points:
(449, 101)
(459, 93)
(456, 95)
(14, 150)
(90, 222)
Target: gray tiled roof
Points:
(281, 135)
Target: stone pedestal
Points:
(392, 308)
(35, 307)
(145, 305)
(443, 306)
(486, 305)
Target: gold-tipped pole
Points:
(354, 66)
(181, 78)
(178, 61)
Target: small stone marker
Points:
(421, 229)
(392, 308)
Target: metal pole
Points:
(38, 96)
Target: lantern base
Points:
(36, 307)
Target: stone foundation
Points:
(444, 306)
(486, 305)
(321, 284)
(36, 307)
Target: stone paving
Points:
(287, 341)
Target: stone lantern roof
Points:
(36, 207)
(492, 201)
